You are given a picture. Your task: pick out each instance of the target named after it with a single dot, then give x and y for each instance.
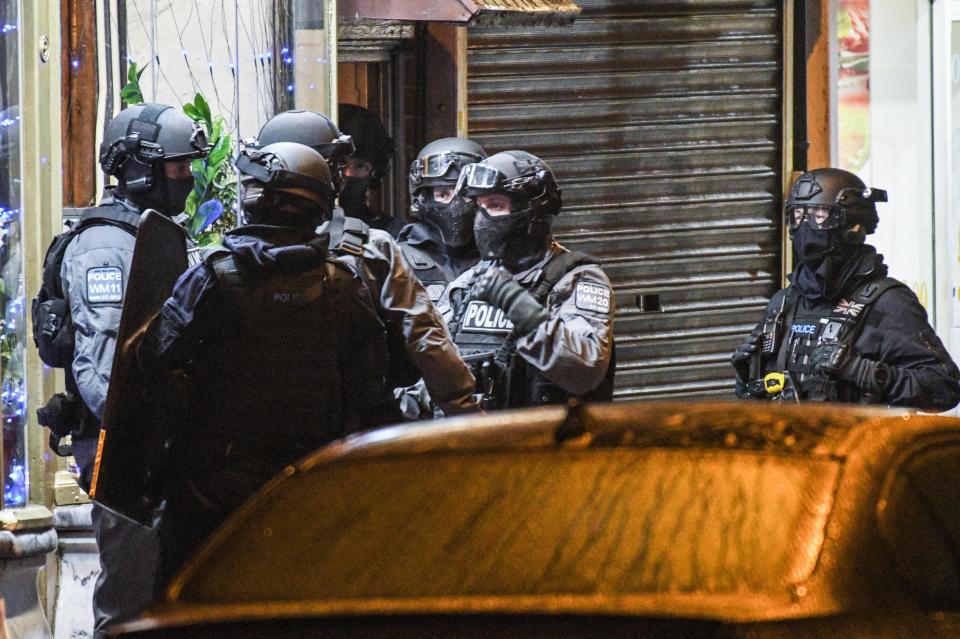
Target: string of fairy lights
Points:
(13, 394)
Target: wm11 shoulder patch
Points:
(105, 285)
(590, 296)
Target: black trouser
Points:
(129, 556)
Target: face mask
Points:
(510, 239)
(353, 197)
(177, 193)
(813, 246)
(454, 221)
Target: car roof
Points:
(730, 511)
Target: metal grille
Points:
(662, 121)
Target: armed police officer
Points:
(365, 170)
(315, 130)
(439, 243)
(148, 149)
(843, 330)
(536, 319)
(283, 345)
(371, 252)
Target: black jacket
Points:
(895, 332)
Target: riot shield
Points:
(132, 440)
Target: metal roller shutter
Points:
(662, 121)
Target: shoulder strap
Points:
(418, 259)
(116, 216)
(555, 268)
(97, 216)
(347, 234)
(871, 291)
(788, 304)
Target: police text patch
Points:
(105, 285)
(484, 318)
(593, 297)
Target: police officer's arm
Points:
(573, 347)
(428, 342)
(173, 335)
(90, 277)
(922, 373)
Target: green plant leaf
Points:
(203, 108)
(131, 94)
(219, 152)
(132, 75)
(192, 112)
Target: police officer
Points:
(843, 330)
(439, 243)
(148, 148)
(365, 171)
(283, 344)
(536, 318)
(311, 129)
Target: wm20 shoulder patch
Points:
(105, 285)
(590, 296)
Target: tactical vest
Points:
(54, 332)
(348, 235)
(428, 271)
(482, 332)
(314, 328)
(807, 328)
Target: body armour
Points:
(430, 261)
(320, 328)
(484, 334)
(882, 321)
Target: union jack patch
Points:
(848, 308)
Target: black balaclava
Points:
(454, 222)
(353, 198)
(829, 267)
(517, 241)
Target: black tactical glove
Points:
(742, 357)
(847, 364)
(498, 287)
(61, 414)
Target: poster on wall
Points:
(853, 91)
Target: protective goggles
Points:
(817, 216)
(438, 165)
(478, 176)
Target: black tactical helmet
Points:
(139, 142)
(311, 129)
(832, 198)
(370, 138)
(439, 164)
(286, 184)
(524, 177)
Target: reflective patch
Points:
(484, 318)
(105, 285)
(804, 329)
(435, 291)
(593, 297)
